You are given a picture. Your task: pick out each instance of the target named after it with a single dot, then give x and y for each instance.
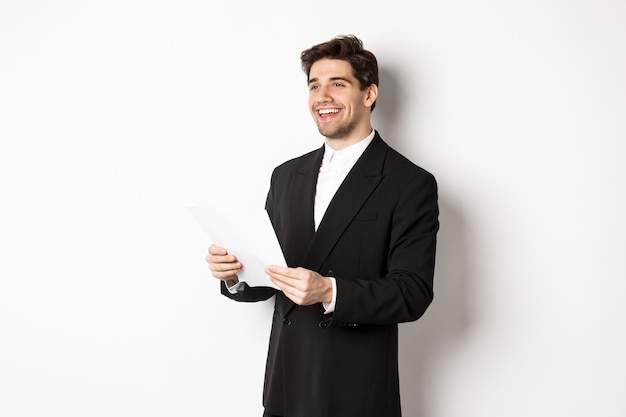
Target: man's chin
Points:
(331, 133)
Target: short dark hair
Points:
(348, 48)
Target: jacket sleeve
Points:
(406, 289)
(249, 294)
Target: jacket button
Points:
(323, 324)
(286, 321)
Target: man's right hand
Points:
(223, 266)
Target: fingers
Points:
(300, 285)
(292, 277)
(217, 254)
(225, 271)
(217, 250)
(288, 273)
(223, 265)
(289, 287)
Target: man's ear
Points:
(371, 95)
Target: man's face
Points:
(339, 107)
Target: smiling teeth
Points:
(328, 111)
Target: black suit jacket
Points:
(378, 240)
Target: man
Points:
(357, 223)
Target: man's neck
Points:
(338, 144)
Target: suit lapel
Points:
(302, 201)
(361, 181)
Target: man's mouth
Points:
(327, 112)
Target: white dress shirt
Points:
(335, 168)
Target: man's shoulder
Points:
(400, 165)
(398, 161)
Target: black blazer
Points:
(378, 240)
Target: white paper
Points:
(247, 234)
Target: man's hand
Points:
(223, 266)
(302, 286)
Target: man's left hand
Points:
(302, 286)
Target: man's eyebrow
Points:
(314, 80)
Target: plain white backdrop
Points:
(114, 116)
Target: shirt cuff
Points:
(236, 288)
(330, 307)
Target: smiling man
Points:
(357, 223)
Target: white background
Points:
(114, 116)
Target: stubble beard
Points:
(338, 130)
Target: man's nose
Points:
(324, 94)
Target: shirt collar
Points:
(350, 153)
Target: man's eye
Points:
(338, 85)
(314, 87)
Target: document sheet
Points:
(247, 234)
